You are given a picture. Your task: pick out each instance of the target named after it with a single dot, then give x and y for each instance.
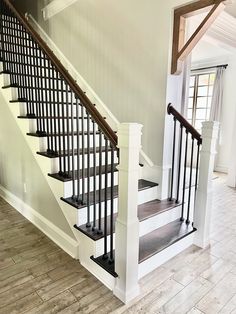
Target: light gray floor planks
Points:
(38, 277)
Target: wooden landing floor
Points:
(37, 277)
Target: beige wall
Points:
(121, 48)
(18, 166)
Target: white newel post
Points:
(127, 224)
(203, 205)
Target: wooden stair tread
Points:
(46, 117)
(61, 134)
(86, 173)
(142, 185)
(65, 153)
(155, 207)
(10, 86)
(161, 238)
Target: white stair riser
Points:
(99, 245)
(68, 185)
(56, 160)
(73, 139)
(59, 122)
(82, 212)
(158, 221)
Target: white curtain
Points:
(217, 97)
(217, 102)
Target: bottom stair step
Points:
(158, 240)
(106, 264)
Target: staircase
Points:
(78, 154)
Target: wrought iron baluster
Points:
(88, 171)
(100, 186)
(111, 260)
(173, 162)
(180, 161)
(190, 182)
(184, 179)
(94, 177)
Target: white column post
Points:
(127, 224)
(203, 205)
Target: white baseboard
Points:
(221, 168)
(65, 242)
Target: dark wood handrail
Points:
(96, 116)
(185, 123)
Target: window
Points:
(200, 97)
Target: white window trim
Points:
(55, 7)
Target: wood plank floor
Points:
(38, 277)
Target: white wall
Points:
(206, 54)
(18, 167)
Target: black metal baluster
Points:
(197, 167)
(184, 179)
(34, 77)
(41, 97)
(105, 256)
(180, 161)
(22, 69)
(29, 73)
(88, 171)
(20, 74)
(63, 128)
(68, 130)
(173, 162)
(111, 260)
(25, 57)
(72, 147)
(50, 105)
(99, 231)
(83, 155)
(54, 110)
(94, 177)
(78, 151)
(190, 182)
(13, 59)
(45, 88)
(59, 122)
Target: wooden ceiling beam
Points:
(180, 50)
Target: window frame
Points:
(195, 97)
